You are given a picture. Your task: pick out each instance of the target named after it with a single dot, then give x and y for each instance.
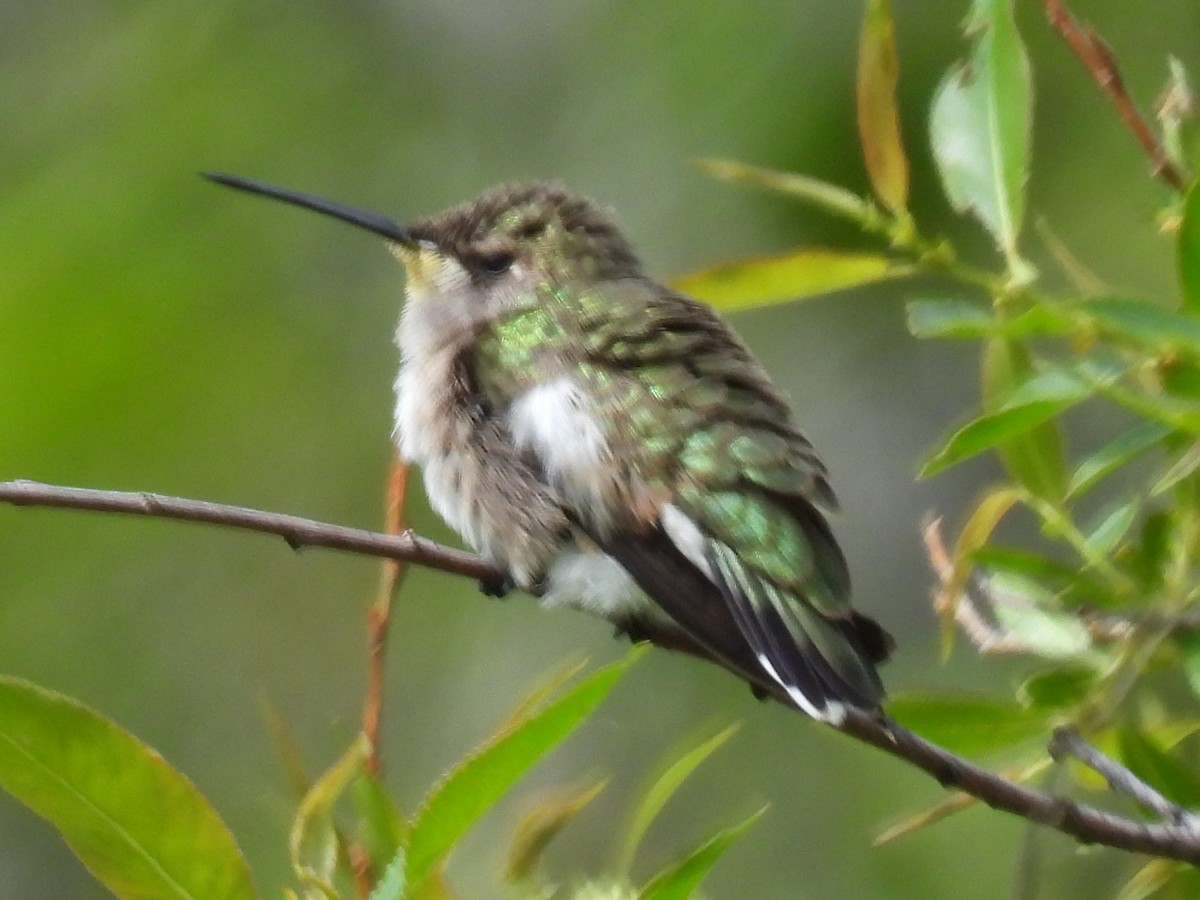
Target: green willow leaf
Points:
(1144, 323)
(313, 842)
(1188, 251)
(967, 725)
(948, 318)
(475, 784)
(1119, 452)
(980, 128)
(830, 197)
(1108, 533)
(768, 280)
(1034, 457)
(662, 790)
(679, 881)
(988, 431)
(963, 319)
(878, 117)
(539, 827)
(1060, 687)
(138, 825)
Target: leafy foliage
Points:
(1081, 560)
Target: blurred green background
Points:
(159, 333)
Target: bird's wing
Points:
(736, 489)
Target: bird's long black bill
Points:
(380, 225)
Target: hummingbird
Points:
(613, 446)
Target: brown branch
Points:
(1087, 824)
(296, 531)
(1101, 63)
(1067, 742)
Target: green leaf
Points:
(963, 319)
(1174, 412)
(391, 885)
(1033, 457)
(662, 790)
(475, 784)
(829, 197)
(878, 117)
(380, 828)
(1149, 880)
(1059, 687)
(679, 881)
(980, 128)
(1032, 622)
(1188, 250)
(1185, 464)
(1108, 533)
(538, 828)
(1154, 765)
(993, 429)
(1189, 647)
(1144, 323)
(1114, 455)
(767, 280)
(967, 725)
(138, 825)
(948, 318)
(313, 841)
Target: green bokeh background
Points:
(159, 333)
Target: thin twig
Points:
(379, 615)
(1085, 823)
(298, 532)
(1098, 57)
(1069, 742)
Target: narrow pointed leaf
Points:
(829, 197)
(662, 790)
(989, 431)
(878, 117)
(988, 512)
(474, 786)
(1144, 323)
(379, 827)
(138, 825)
(1149, 880)
(1112, 527)
(767, 280)
(679, 881)
(313, 842)
(967, 725)
(1114, 455)
(1188, 251)
(1033, 456)
(963, 319)
(955, 803)
(539, 827)
(1185, 464)
(980, 127)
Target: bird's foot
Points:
(497, 586)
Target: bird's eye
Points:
(497, 262)
(534, 228)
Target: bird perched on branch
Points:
(613, 446)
